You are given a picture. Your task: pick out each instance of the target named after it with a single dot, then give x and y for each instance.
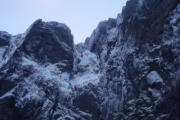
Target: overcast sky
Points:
(82, 16)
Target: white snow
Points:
(50, 72)
(89, 69)
(27, 61)
(84, 79)
(88, 62)
(88, 58)
(15, 42)
(112, 34)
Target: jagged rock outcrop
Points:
(4, 38)
(4, 41)
(128, 69)
(137, 56)
(33, 69)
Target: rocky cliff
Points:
(128, 69)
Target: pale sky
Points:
(81, 16)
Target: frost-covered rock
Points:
(4, 43)
(49, 42)
(137, 60)
(36, 72)
(4, 38)
(154, 78)
(128, 69)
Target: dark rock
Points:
(88, 102)
(49, 42)
(149, 17)
(5, 86)
(8, 109)
(4, 38)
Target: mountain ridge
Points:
(128, 69)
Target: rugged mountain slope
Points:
(140, 59)
(128, 69)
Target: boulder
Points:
(154, 79)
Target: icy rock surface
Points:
(128, 69)
(154, 78)
(4, 42)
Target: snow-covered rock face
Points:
(128, 69)
(149, 18)
(4, 42)
(139, 58)
(86, 67)
(38, 65)
(49, 42)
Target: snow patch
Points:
(15, 43)
(50, 72)
(112, 34)
(85, 79)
